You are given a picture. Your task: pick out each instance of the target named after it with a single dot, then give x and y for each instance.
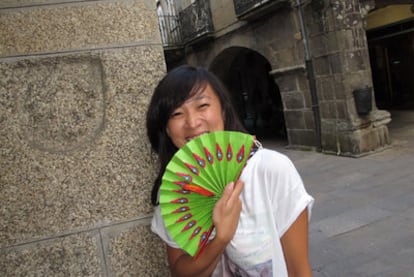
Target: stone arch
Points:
(254, 92)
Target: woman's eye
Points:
(203, 105)
(175, 114)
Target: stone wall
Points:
(75, 165)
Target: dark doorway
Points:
(255, 94)
(391, 51)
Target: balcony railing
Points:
(192, 24)
(196, 21)
(170, 29)
(254, 8)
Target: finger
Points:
(238, 188)
(228, 190)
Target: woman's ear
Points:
(167, 131)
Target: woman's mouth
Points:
(188, 138)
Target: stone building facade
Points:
(296, 68)
(75, 166)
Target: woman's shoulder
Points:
(269, 157)
(268, 163)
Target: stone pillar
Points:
(283, 47)
(294, 89)
(341, 60)
(75, 165)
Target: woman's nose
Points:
(192, 120)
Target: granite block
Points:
(327, 109)
(322, 66)
(133, 250)
(29, 3)
(302, 139)
(76, 26)
(287, 83)
(356, 61)
(309, 119)
(325, 88)
(295, 119)
(285, 57)
(73, 255)
(293, 100)
(74, 152)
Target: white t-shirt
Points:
(273, 197)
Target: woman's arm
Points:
(182, 264)
(226, 215)
(295, 247)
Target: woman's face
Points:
(201, 113)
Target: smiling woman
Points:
(186, 97)
(260, 220)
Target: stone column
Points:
(294, 89)
(75, 166)
(341, 60)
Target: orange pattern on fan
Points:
(198, 189)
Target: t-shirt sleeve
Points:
(158, 227)
(286, 190)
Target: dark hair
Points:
(172, 91)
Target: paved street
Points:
(363, 219)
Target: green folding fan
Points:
(193, 182)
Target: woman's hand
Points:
(226, 213)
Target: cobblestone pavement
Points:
(363, 218)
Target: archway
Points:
(255, 94)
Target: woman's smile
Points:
(188, 138)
